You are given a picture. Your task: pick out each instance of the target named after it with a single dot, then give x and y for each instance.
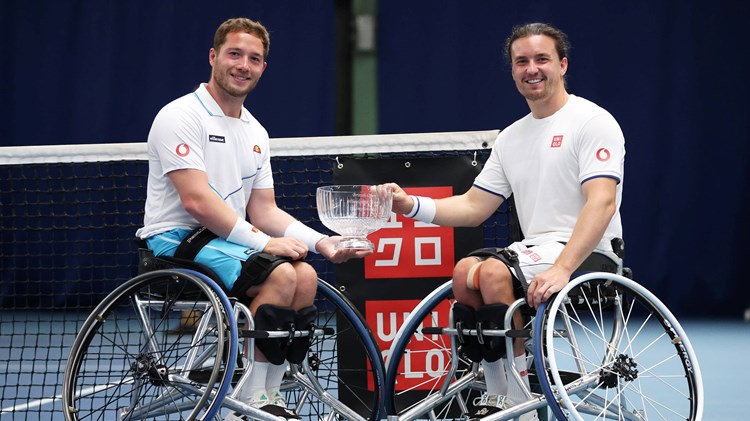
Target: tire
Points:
(131, 359)
(611, 348)
(417, 366)
(345, 363)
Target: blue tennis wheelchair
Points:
(603, 348)
(134, 358)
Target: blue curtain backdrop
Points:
(91, 71)
(672, 72)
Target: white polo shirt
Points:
(545, 161)
(193, 132)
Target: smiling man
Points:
(211, 199)
(563, 163)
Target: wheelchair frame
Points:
(127, 364)
(592, 346)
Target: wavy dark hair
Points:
(529, 29)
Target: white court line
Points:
(29, 405)
(45, 401)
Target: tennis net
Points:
(69, 215)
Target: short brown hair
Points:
(242, 25)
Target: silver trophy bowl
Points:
(354, 211)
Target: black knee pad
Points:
(271, 317)
(492, 316)
(464, 317)
(255, 271)
(304, 319)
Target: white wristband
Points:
(304, 233)
(424, 209)
(244, 233)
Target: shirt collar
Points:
(210, 105)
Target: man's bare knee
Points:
(463, 266)
(498, 271)
(496, 280)
(305, 272)
(460, 273)
(281, 283)
(283, 276)
(307, 278)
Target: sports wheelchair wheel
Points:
(130, 360)
(612, 350)
(343, 374)
(423, 379)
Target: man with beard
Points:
(563, 163)
(211, 199)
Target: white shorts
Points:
(535, 259)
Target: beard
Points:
(224, 81)
(535, 95)
(548, 90)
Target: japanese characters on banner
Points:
(411, 258)
(407, 248)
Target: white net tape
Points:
(300, 146)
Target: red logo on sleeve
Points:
(602, 154)
(256, 149)
(182, 150)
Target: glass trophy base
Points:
(355, 243)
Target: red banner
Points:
(411, 258)
(407, 248)
(423, 360)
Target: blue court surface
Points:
(720, 345)
(723, 350)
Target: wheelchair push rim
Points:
(130, 361)
(620, 355)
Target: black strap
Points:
(193, 243)
(507, 256)
(515, 233)
(512, 257)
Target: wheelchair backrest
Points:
(601, 261)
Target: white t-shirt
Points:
(544, 162)
(193, 132)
